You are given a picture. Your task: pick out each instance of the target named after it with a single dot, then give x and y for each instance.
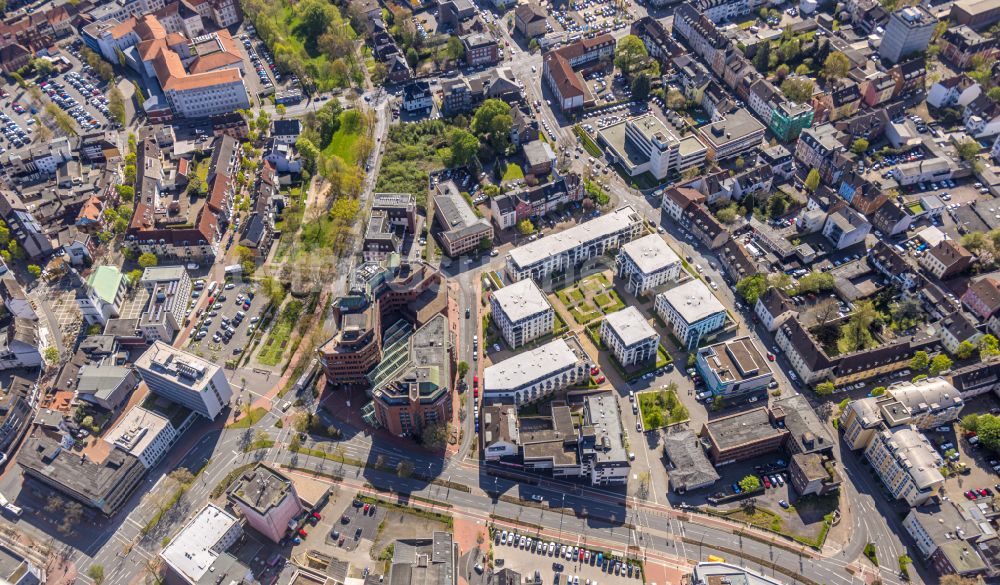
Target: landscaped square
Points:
(590, 298)
(659, 408)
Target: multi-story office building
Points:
(734, 368)
(169, 290)
(909, 31)
(646, 263)
(954, 537)
(691, 310)
(103, 485)
(102, 297)
(785, 118)
(906, 463)
(461, 230)
(743, 435)
(646, 145)
(197, 554)
(736, 133)
(185, 379)
(630, 337)
(537, 373)
(148, 433)
(926, 404)
(568, 249)
(267, 500)
(16, 410)
(522, 313)
(411, 386)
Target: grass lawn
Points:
(584, 313)
(249, 419)
(661, 407)
(513, 173)
(412, 151)
(274, 347)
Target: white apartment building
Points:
(191, 555)
(691, 310)
(208, 94)
(522, 313)
(102, 296)
(906, 463)
(646, 144)
(566, 250)
(926, 404)
(630, 337)
(646, 263)
(537, 373)
(145, 434)
(185, 379)
(169, 288)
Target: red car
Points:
(366, 508)
(211, 300)
(581, 554)
(303, 533)
(767, 482)
(475, 392)
(982, 492)
(970, 494)
(770, 356)
(599, 379)
(317, 516)
(475, 381)
(595, 370)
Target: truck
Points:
(234, 269)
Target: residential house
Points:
(530, 20)
(946, 259)
(960, 45)
(773, 307)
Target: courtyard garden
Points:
(590, 298)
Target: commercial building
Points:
(646, 263)
(19, 570)
(688, 468)
(736, 133)
(500, 432)
(925, 404)
(537, 373)
(954, 537)
(785, 118)
(812, 474)
(691, 310)
(385, 300)
(424, 561)
(461, 229)
(559, 69)
(909, 31)
(267, 501)
(169, 289)
(16, 410)
(530, 20)
(906, 463)
(103, 485)
(148, 433)
(104, 383)
(102, 296)
(977, 14)
(568, 249)
(185, 379)
(20, 344)
(741, 436)
(197, 554)
(734, 368)
(411, 387)
(718, 573)
(646, 145)
(522, 313)
(630, 337)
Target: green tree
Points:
(463, 369)
(988, 430)
(125, 192)
(630, 53)
(134, 276)
(988, 347)
(455, 48)
(968, 149)
(965, 350)
(51, 354)
(525, 227)
(860, 146)
(815, 282)
(464, 147)
(492, 122)
(825, 388)
(35, 270)
(751, 287)
(940, 363)
(116, 105)
(836, 66)
(404, 468)
(762, 58)
(96, 573)
(812, 180)
(640, 87)
(147, 259)
(782, 71)
(797, 89)
(750, 483)
(718, 402)
(920, 360)
(727, 214)
(435, 435)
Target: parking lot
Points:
(554, 563)
(219, 327)
(355, 523)
(590, 16)
(267, 77)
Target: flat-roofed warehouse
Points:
(742, 436)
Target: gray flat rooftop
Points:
(521, 300)
(630, 326)
(651, 253)
(693, 301)
(514, 372)
(742, 428)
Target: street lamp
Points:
(562, 514)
